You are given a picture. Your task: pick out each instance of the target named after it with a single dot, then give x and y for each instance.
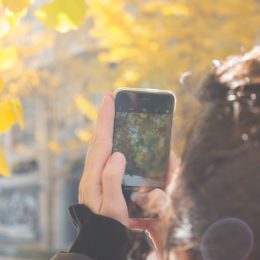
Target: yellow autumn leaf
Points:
(16, 6)
(62, 15)
(4, 26)
(11, 113)
(8, 57)
(167, 9)
(22, 149)
(86, 107)
(151, 7)
(71, 144)
(9, 20)
(176, 9)
(2, 84)
(131, 76)
(128, 78)
(55, 146)
(13, 19)
(4, 168)
(83, 135)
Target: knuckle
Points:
(157, 193)
(84, 185)
(81, 185)
(103, 142)
(110, 176)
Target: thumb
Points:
(113, 202)
(155, 201)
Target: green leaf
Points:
(62, 15)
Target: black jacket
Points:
(102, 238)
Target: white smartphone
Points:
(142, 132)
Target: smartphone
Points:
(142, 132)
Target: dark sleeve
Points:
(103, 238)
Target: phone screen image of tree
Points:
(144, 139)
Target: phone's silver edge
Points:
(116, 91)
(151, 90)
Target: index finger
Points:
(173, 171)
(100, 147)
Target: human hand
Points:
(100, 186)
(159, 202)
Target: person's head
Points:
(217, 201)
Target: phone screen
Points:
(142, 132)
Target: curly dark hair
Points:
(220, 178)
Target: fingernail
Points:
(104, 99)
(108, 93)
(106, 96)
(133, 196)
(117, 158)
(141, 198)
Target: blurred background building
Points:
(46, 158)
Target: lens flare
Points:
(227, 239)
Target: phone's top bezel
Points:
(147, 91)
(152, 90)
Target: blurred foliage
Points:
(4, 168)
(16, 6)
(11, 113)
(62, 15)
(143, 139)
(136, 43)
(86, 107)
(8, 58)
